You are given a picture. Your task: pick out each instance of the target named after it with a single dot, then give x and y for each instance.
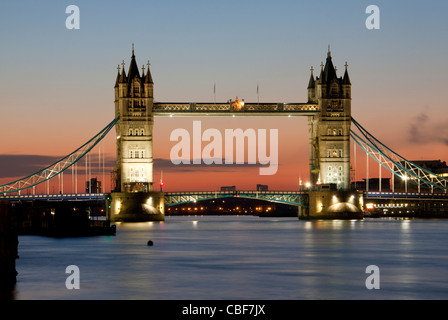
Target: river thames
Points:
(241, 257)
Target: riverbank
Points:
(8, 251)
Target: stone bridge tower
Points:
(133, 104)
(329, 131)
(133, 198)
(329, 134)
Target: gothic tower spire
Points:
(329, 70)
(133, 68)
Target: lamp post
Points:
(405, 178)
(161, 181)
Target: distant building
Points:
(262, 187)
(93, 186)
(228, 188)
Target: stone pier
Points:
(137, 206)
(333, 204)
(8, 251)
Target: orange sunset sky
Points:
(57, 85)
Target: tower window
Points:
(131, 154)
(334, 89)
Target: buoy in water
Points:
(150, 243)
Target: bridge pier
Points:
(136, 207)
(333, 204)
(8, 252)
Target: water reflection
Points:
(333, 224)
(242, 258)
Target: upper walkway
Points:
(234, 108)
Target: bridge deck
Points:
(197, 195)
(69, 196)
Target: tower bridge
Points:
(328, 111)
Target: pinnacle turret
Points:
(148, 78)
(117, 81)
(311, 83)
(346, 79)
(123, 78)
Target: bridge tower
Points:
(329, 131)
(133, 198)
(329, 134)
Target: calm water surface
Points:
(242, 257)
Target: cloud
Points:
(423, 129)
(22, 165)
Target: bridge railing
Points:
(296, 198)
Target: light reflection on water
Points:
(242, 257)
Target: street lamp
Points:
(405, 178)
